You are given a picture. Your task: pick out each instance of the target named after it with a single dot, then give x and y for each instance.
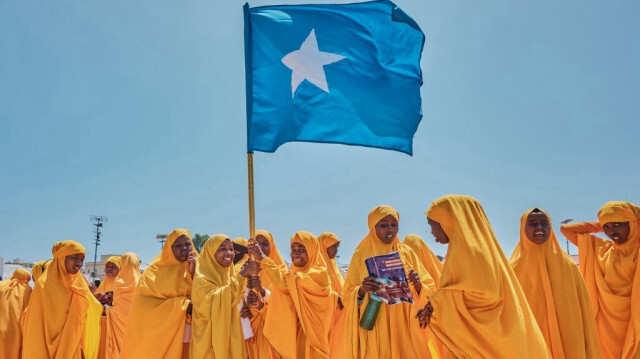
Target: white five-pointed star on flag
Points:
(307, 64)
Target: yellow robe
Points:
(397, 333)
(434, 267)
(217, 290)
(124, 288)
(14, 296)
(479, 311)
(612, 276)
(337, 337)
(557, 295)
(64, 316)
(37, 270)
(156, 324)
(258, 347)
(302, 305)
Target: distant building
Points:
(88, 268)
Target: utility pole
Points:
(98, 221)
(565, 222)
(161, 238)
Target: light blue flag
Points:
(345, 74)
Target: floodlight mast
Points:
(98, 221)
(565, 222)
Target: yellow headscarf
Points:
(558, 297)
(428, 259)
(217, 290)
(155, 328)
(327, 239)
(37, 269)
(64, 317)
(124, 288)
(14, 296)
(612, 276)
(258, 347)
(480, 310)
(107, 283)
(309, 288)
(397, 333)
(243, 242)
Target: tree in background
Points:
(198, 241)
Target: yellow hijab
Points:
(327, 239)
(397, 333)
(38, 268)
(124, 288)
(217, 290)
(275, 257)
(428, 259)
(155, 328)
(558, 297)
(64, 316)
(480, 310)
(611, 273)
(107, 283)
(14, 296)
(309, 289)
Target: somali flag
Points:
(346, 74)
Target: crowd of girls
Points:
(478, 304)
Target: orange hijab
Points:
(558, 297)
(327, 239)
(428, 259)
(611, 272)
(64, 316)
(308, 288)
(397, 333)
(155, 328)
(107, 283)
(480, 310)
(14, 296)
(124, 288)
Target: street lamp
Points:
(565, 222)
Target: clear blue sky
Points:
(135, 110)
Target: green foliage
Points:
(198, 241)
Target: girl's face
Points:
(225, 253)
(264, 244)
(438, 232)
(332, 251)
(387, 229)
(617, 231)
(73, 263)
(299, 255)
(111, 270)
(181, 248)
(537, 227)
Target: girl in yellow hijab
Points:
(429, 260)
(37, 270)
(258, 347)
(554, 287)
(479, 311)
(217, 290)
(302, 302)
(329, 244)
(611, 272)
(124, 288)
(14, 296)
(156, 325)
(397, 333)
(64, 316)
(111, 269)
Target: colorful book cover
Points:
(390, 273)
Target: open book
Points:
(390, 273)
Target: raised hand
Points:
(245, 312)
(253, 300)
(254, 249)
(250, 268)
(191, 263)
(255, 282)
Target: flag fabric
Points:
(347, 73)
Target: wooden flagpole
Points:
(252, 211)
